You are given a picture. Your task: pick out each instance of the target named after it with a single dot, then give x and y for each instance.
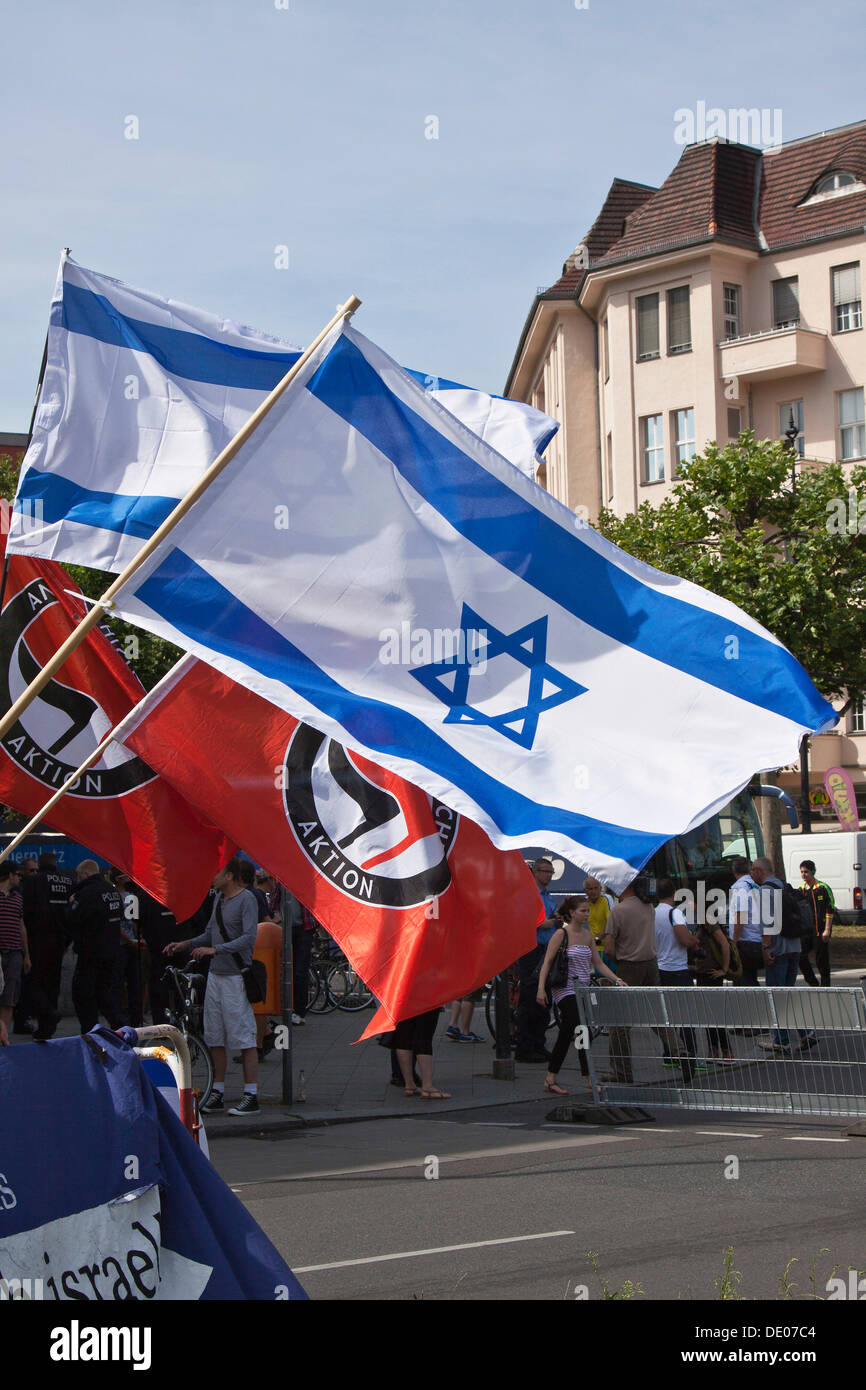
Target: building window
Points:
(857, 717)
(605, 349)
(653, 448)
(735, 421)
(683, 431)
(840, 178)
(785, 412)
(732, 311)
(846, 298)
(852, 424)
(786, 303)
(647, 327)
(679, 320)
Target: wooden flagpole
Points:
(104, 604)
(61, 791)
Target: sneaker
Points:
(214, 1102)
(809, 1041)
(470, 1037)
(452, 1033)
(248, 1106)
(297, 1021)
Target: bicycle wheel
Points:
(347, 988)
(201, 1065)
(314, 989)
(322, 1002)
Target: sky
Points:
(439, 160)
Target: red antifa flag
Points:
(120, 809)
(421, 902)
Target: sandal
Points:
(553, 1089)
(415, 1091)
(435, 1095)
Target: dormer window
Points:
(839, 179)
(834, 185)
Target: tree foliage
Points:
(793, 557)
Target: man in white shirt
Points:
(744, 918)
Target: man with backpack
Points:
(782, 925)
(821, 904)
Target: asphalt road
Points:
(518, 1202)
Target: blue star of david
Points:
(448, 679)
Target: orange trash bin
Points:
(269, 950)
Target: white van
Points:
(840, 861)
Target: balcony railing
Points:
(779, 352)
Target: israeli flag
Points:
(368, 564)
(141, 393)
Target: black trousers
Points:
(42, 984)
(531, 1018)
(94, 991)
(752, 957)
(568, 1021)
(822, 960)
(302, 949)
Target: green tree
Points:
(794, 558)
(150, 657)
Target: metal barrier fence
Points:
(786, 1051)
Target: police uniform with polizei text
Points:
(46, 896)
(94, 919)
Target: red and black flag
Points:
(120, 808)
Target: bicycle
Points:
(513, 1000)
(185, 989)
(345, 985)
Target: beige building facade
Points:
(727, 299)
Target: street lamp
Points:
(791, 436)
(806, 816)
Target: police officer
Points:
(94, 918)
(47, 894)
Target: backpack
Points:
(734, 972)
(797, 918)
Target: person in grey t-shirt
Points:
(229, 1020)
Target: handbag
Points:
(734, 971)
(557, 975)
(254, 975)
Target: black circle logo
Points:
(61, 720)
(377, 838)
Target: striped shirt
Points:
(579, 968)
(11, 910)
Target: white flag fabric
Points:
(369, 565)
(141, 393)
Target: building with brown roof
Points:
(729, 298)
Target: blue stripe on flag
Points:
(190, 355)
(546, 556)
(62, 500)
(197, 605)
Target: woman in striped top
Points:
(583, 957)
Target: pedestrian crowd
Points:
(122, 937)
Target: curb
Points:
(339, 1117)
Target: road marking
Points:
(434, 1250)
(811, 1139)
(727, 1134)
(419, 1162)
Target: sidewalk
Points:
(345, 1082)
